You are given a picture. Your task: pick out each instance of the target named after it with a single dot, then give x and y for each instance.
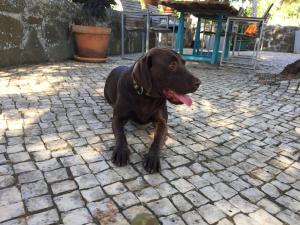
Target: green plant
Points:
(93, 11)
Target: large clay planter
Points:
(167, 9)
(151, 2)
(91, 43)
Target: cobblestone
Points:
(232, 158)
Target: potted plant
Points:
(91, 30)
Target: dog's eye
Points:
(173, 66)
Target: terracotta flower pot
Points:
(91, 42)
(167, 9)
(151, 2)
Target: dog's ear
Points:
(142, 74)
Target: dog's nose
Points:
(196, 83)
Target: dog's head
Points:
(162, 73)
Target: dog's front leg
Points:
(120, 155)
(152, 161)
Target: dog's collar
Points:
(139, 89)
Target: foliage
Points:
(284, 12)
(93, 11)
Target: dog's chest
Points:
(145, 112)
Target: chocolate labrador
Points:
(140, 93)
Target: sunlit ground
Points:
(237, 130)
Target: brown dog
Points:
(140, 93)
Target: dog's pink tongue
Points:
(185, 99)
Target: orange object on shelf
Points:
(251, 29)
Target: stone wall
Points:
(279, 38)
(39, 31)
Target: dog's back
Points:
(111, 84)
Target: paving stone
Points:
(24, 167)
(269, 206)
(294, 194)
(227, 176)
(263, 217)
(93, 194)
(14, 148)
(136, 184)
(72, 160)
(41, 156)
(211, 178)
(193, 218)
(253, 194)
(9, 196)
(30, 176)
(19, 157)
(63, 186)
(19, 221)
(281, 186)
(165, 190)
(242, 204)
(147, 194)
(56, 175)
(224, 222)
(39, 203)
(6, 180)
(198, 168)
(154, 179)
(227, 207)
(224, 190)
(196, 198)
(211, 193)
(48, 217)
(171, 220)
(270, 190)
(198, 181)
(77, 217)
(115, 189)
(289, 202)
(168, 174)
(211, 213)
(69, 201)
(289, 217)
(35, 147)
(183, 171)
(262, 174)
(34, 189)
(56, 144)
(126, 200)
(182, 185)
(287, 179)
(177, 160)
(48, 165)
(131, 212)
(181, 203)
(127, 172)
(86, 181)
(108, 177)
(97, 167)
(105, 207)
(11, 211)
(242, 219)
(162, 207)
(79, 170)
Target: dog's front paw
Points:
(120, 156)
(152, 163)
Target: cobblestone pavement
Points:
(231, 158)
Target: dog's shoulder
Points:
(121, 70)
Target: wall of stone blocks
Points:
(39, 31)
(279, 38)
